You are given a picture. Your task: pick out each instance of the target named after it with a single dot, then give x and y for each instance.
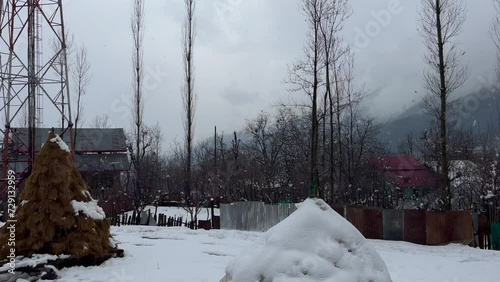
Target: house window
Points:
(408, 193)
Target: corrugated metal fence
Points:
(393, 225)
(253, 216)
(415, 226)
(420, 227)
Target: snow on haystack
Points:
(60, 142)
(313, 244)
(90, 209)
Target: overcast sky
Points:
(241, 55)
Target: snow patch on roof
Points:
(60, 142)
(90, 209)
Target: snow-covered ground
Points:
(159, 254)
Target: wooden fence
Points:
(163, 220)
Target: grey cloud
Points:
(250, 46)
(236, 96)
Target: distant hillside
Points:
(480, 111)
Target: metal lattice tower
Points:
(38, 67)
(28, 77)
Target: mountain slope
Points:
(479, 112)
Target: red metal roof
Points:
(405, 171)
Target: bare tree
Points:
(305, 76)
(441, 22)
(152, 162)
(139, 180)
(296, 151)
(353, 97)
(81, 77)
(336, 13)
(265, 148)
(137, 29)
(101, 122)
(70, 50)
(23, 119)
(366, 144)
(408, 145)
(61, 61)
(188, 95)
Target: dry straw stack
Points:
(56, 214)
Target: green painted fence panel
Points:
(495, 236)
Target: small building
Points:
(101, 155)
(405, 176)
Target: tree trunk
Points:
(443, 134)
(332, 148)
(339, 126)
(314, 131)
(350, 162)
(323, 151)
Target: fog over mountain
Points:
(479, 112)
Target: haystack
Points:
(56, 214)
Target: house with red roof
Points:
(406, 175)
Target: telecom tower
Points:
(28, 77)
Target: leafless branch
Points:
(81, 77)
(495, 34)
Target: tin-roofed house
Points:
(405, 178)
(101, 155)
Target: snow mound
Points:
(90, 209)
(313, 244)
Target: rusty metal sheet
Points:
(204, 224)
(356, 217)
(216, 222)
(460, 228)
(339, 208)
(415, 226)
(437, 228)
(373, 227)
(368, 221)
